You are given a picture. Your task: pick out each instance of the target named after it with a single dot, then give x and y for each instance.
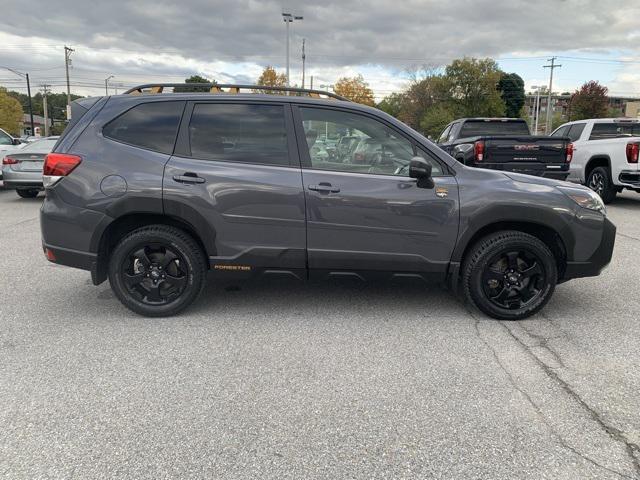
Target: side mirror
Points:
(421, 169)
(16, 141)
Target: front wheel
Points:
(157, 270)
(599, 180)
(509, 275)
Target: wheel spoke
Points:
(177, 282)
(169, 257)
(154, 293)
(532, 270)
(512, 258)
(502, 296)
(527, 293)
(133, 280)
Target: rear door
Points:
(236, 169)
(364, 213)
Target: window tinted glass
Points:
(612, 130)
(561, 132)
(452, 132)
(575, 131)
(150, 125)
(444, 135)
(475, 128)
(5, 139)
(364, 145)
(239, 133)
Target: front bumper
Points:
(600, 258)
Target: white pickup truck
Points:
(605, 154)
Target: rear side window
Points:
(601, 131)
(576, 131)
(153, 126)
(476, 128)
(239, 133)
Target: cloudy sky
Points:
(139, 41)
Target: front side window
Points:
(239, 133)
(152, 126)
(445, 134)
(561, 132)
(362, 144)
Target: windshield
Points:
(476, 128)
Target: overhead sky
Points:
(139, 41)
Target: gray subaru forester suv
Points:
(155, 191)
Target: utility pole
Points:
(67, 61)
(289, 18)
(303, 62)
(547, 128)
(311, 87)
(45, 92)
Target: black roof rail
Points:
(155, 88)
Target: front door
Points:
(363, 211)
(236, 175)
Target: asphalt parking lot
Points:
(341, 380)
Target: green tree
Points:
(589, 101)
(355, 89)
(392, 104)
(435, 119)
(511, 88)
(422, 95)
(473, 87)
(10, 113)
(194, 79)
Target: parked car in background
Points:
(22, 169)
(153, 191)
(605, 154)
(7, 144)
(506, 144)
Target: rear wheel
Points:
(509, 275)
(599, 180)
(27, 192)
(157, 270)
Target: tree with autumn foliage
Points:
(10, 113)
(355, 89)
(271, 78)
(589, 101)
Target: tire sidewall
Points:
(609, 192)
(143, 237)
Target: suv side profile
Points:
(157, 191)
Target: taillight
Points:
(58, 165)
(633, 151)
(478, 150)
(569, 152)
(9, 161)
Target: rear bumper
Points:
(600, 258)
(630, 178)
(17, 179)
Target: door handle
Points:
(324, 187)
(188, 177)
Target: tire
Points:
(518, 290)
(157, 270)
(27, 193)
(599, 180)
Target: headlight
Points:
(585, 198)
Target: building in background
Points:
(38, 123)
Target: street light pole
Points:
(106, 84)
(26, 77)
(288, 18)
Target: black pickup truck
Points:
(506, 144)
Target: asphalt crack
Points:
(613, 432)
(631, 237)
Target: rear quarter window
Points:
(152, 126)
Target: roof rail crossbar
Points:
(156, 88)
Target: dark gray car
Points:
(154, 190)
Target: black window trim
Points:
(303, 150)
(183, 143)
(141, 146)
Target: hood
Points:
(521, 177)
